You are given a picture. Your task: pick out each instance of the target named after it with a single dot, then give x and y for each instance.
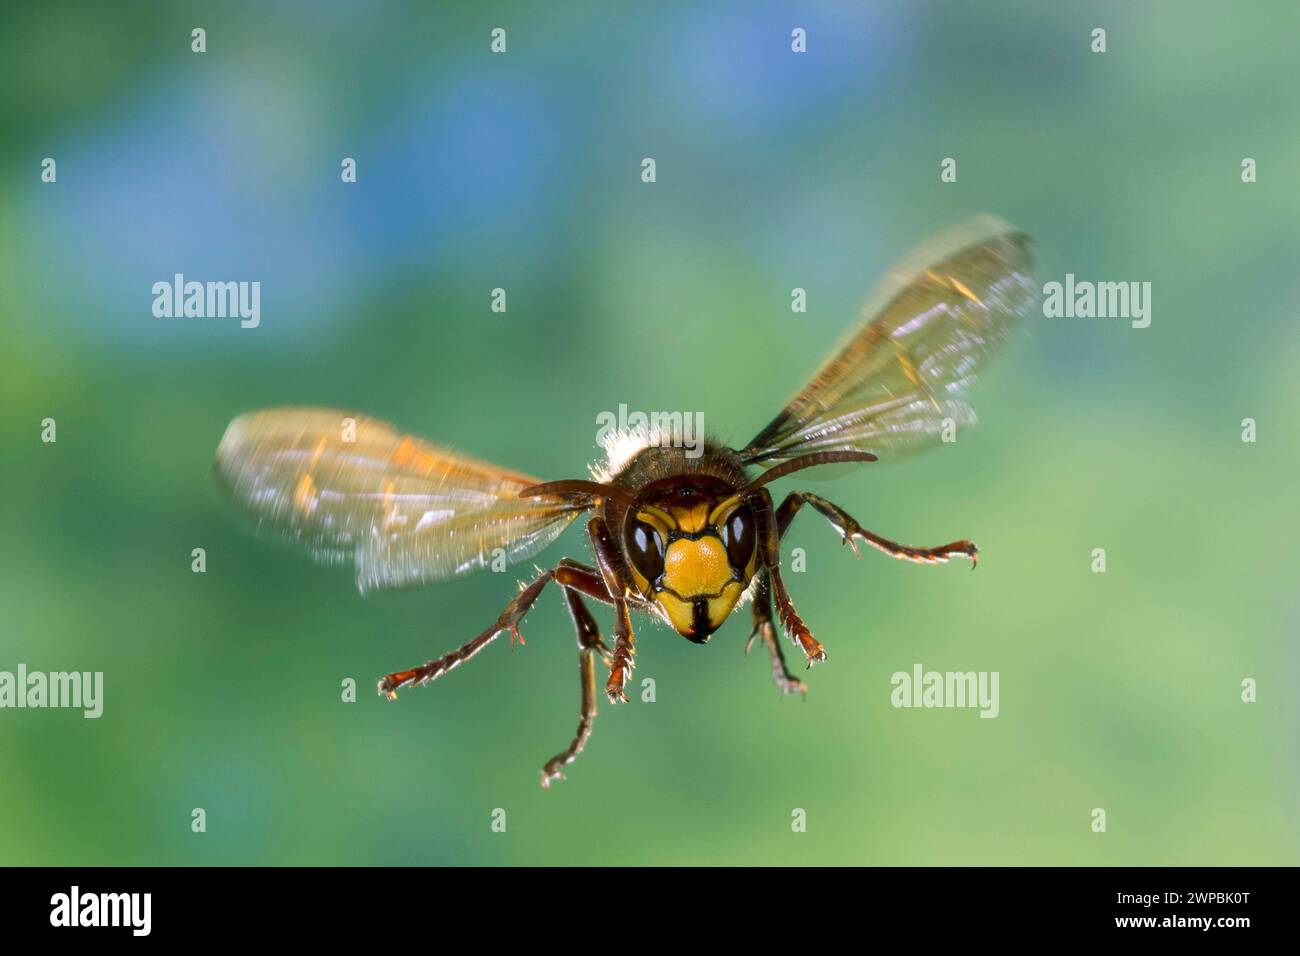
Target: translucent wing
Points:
(926, 332)
(352, 489)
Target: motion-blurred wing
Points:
(353, 489)
(926, 332)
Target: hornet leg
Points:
(590, 645)
(769, 541)
(850, 531)
(507, 621)
(624, 659)
(575, 579)
(763, 627)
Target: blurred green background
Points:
(1118, 690)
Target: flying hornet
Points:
(686, 539)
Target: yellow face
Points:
(693, 556)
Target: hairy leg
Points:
(763, 627)
(624, 658)
(590, 645)
(769, 541)
(576, 580)
(850, 531)
(570, 574)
